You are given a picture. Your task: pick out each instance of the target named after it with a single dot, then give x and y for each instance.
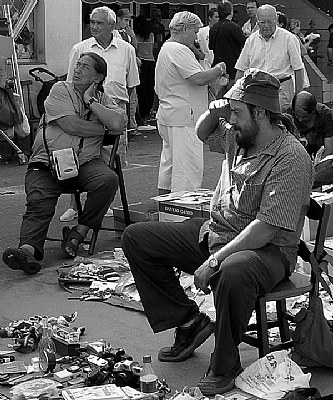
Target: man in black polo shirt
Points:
(226, 39)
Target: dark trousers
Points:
(43, 191)
(154, 248)
(145, 90)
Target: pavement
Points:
(23, 296)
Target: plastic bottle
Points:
(46, 348)
(148, 378)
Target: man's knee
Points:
(234, 269)
(108, 180)
(130, 233)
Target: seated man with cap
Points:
(248, 245)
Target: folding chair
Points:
(115, 164)
(257, 333)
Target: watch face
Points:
(213, 263)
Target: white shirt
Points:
(181, 102)
(280, 55)
(247, 30)
(120, 57)
(203, 40)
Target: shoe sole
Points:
(202, 336)
(14, 259)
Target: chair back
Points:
(321, 214)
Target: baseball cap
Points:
(257, 87)
(124, 12)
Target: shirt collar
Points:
(113, 43)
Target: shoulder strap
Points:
(45, 141)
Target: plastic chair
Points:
(296, 285)
(115, 164)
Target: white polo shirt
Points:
(280, 55)
(120, 57)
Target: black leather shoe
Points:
(188, 339)
(213, 384)
(21, 259)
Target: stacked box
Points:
(179, 206)
(139, 212)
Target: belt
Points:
(285, 79)
(38, 165)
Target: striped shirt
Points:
(273, 186)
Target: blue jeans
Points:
(153, 249)
(43, 191)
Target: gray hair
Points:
(184, 18)
(110, 14)
(269, 8)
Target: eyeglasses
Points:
(269, 23)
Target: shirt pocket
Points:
(248, 200)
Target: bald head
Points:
(306, 101)
(267, 9)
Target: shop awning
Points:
(282, 3)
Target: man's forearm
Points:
(256, 235)
(299, 77)
(79, 127)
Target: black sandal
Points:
(68, 234)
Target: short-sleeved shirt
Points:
(180, 101)
(273, 185)
(321, 129)
(63, 101)
(120, 58)
(280, 55)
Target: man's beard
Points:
(246, 137)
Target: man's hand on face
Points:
(130, 31)
(202, 276)
(89, 93)
(220, 109)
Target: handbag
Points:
(313, 336)
(63, 163)
(10, 113)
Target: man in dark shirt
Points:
(226, 39)
(158, 30)
(314, 122)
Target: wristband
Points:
(90, 101)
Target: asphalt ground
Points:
(22, 296)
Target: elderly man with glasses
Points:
(274, 50)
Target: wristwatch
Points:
(213, 262)
(90, 101)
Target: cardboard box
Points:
(139, 212)
(178, 206)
